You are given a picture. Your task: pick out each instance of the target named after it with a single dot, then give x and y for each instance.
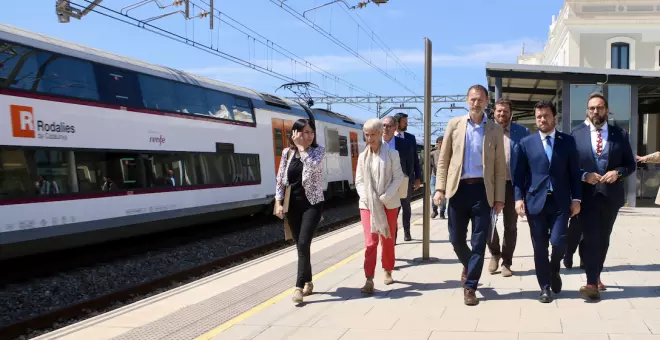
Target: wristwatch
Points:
(619, 173)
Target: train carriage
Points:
(96, 146)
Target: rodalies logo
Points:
(25, 125)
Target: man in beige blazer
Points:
(471, 174)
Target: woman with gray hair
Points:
(378, 178)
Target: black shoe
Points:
(407, 237)
(556, 283)
(434, 214)
(546, 296)
(442, 216)
(568, 262)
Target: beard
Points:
(598, 121)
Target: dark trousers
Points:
(470, 204)
(405, 207)
(443, 204)
(549, 225)
(303, 219)
(574, 238)
(510, 230)
(600, 214)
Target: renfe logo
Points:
(23, 125)
(160, 140)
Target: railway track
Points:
(78, 311)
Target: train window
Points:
(191, 99)
(279, 144)
(343, 146)
(331, 141)
(117, 86)
(243, 110)
(220, 104)
(65, 76)
(16, 178)
(157, 94)
(17, 70)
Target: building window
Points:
(620, 56)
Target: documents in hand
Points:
(493, 223)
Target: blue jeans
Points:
(443, 209)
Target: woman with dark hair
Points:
(299, 195)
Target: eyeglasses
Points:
(596, 108)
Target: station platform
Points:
(253, 300)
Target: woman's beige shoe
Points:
(368, 287)
(297, 296)
(388, 278)
(309, 288)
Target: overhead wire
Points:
(127, 19)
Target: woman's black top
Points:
(295, 179)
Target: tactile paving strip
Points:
(193, 321)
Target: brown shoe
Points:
(388, 278)
(601, 286)
(590, 292)
(464, 276)
(470, 297)
(506, 271)
(494, 264)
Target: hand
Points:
(575, 208)
(610, 177)
(641, 159)
(298, 139)
(592, 178)
(417, 184)
(279, 210)
(498, 207)
(520, 208)
(438, 197)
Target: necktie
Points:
(599, 143)
(548, 153)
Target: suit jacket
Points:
(534, 174)
(620, 157)
(406, 156)
(410, 138)
(450, 159)
(516, 133)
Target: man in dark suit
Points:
(513, 133)
(407, 158)
(414, 180)
(606, 158)
(547, 189)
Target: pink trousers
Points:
(371, 242)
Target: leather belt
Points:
(472, 180)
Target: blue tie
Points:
(548, 153)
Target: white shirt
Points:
(594, 135)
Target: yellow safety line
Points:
(214, 332)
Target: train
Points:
(97, 147)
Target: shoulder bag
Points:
(287, 197)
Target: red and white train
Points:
(95, 146)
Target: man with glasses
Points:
(606, 158)
(406, 156)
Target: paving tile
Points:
(363, 334)
(634, 337)
(473, 336)
(240, 332)
(546, 336)
(300, 333)
(576, 326)
(357, 322)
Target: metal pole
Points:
(427, 149)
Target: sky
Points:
(375, 50)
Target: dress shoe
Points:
(464, 276)
(494, 264)
(590, 292)
(568, 262)
(434, 214)
(546, 296)
(408, 238)
(601, 286)
(470, 297)
(556, 283)
(506, 271)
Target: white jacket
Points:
(390, 198)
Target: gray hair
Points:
(373, 123)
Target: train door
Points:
(355, 152)
(281, 134)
